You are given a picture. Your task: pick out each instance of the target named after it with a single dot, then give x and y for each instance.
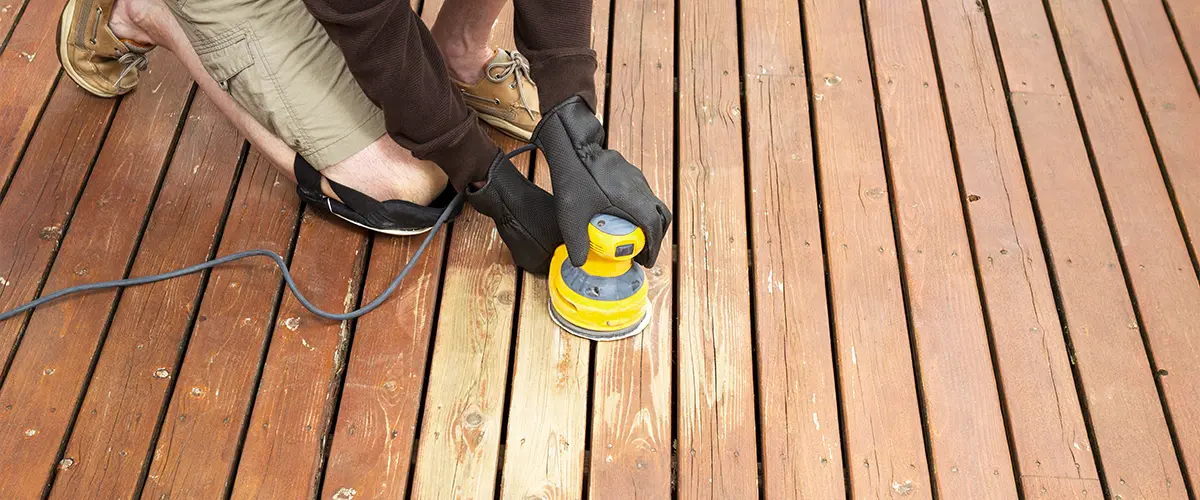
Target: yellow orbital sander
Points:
(605, 299)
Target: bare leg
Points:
(462, 31)
(382, 170)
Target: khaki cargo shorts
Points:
(278, 63)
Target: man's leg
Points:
(462, 31)
(382, 169)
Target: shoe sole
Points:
(507, 128)
(389, 232)
(64, 28)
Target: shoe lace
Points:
(517, 67)
(129, 61)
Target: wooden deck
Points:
(923, 249)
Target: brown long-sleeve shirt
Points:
(395, 60)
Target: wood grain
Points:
(110, 440)
(631, 407)
(1031, 355)
(193, 453)
(377, 417)
(298, 392)
(547, 412)
(797, 391)
(41, 201)
(717, 443)
(9, 12)
(1125, 414)
(375, 434)
(459, 449)
(1172, 105)
(883, 437)
(967, 439)
(1156, 257)
(459, 445)
(52, 364)
(29, 66)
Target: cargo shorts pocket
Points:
(235, 59)
(225, 56)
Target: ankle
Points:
(466, 59)
(137, 20)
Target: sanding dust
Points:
(4, 282)
(292, 323)
(345, 494)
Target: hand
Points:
(523, 214)
(589, 179)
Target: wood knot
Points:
(506, 297)
(473, 419)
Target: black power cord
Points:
(287, 276)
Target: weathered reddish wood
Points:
(42, 198)
(45, 383)
(29, 66)
(883, 436)
(1125, 413)
(1171, 101)
(9, 10)
(1186, 17)
(1160, 269)
(298, 392)
(371, 455)
(1172, 105)
(1035, 372)
(969, 445)
(547, 412)
(109, 442)
(631, 407)
(377, 417)
(194, 451)
(717, 442)
(797, 392)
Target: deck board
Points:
(1153, 251)
(193, 453)
(547, 412)
(715, 393)
(1032, 362)
(30, 70)
(883, 438)
(1097, 308)
(966, 432)
(55, 354)
(631, 424)
(109, 444)
(916, 254)
(797, 388)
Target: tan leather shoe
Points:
(505, 98)
(92, 55)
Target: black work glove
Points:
(589, 179)
(523, 212)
